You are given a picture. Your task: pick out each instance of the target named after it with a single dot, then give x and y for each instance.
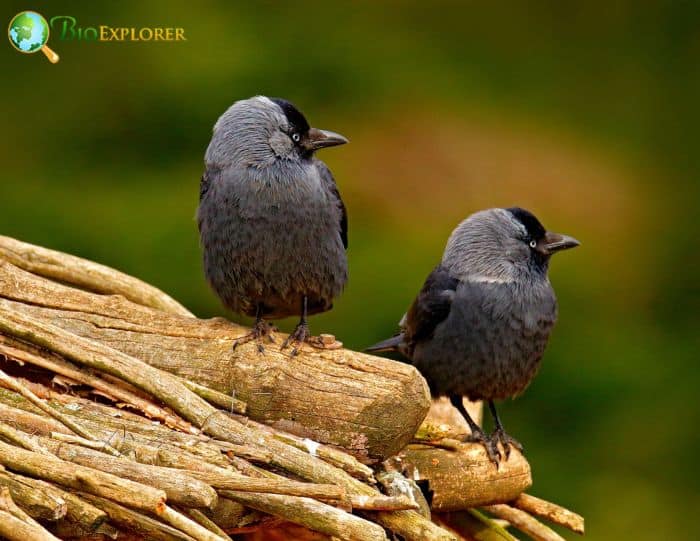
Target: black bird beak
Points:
(555, 242)
(316, 139)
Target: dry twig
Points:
(524, 522)
(77, 477)
(113, 390)
(203, 520)
(86, 274)
(137, 522)
(36, 500)
(15, 385)
(15, 524)
(550, 511)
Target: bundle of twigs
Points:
(95, 441)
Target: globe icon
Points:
(29, 32)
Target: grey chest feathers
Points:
(271, 237)
(490, 344)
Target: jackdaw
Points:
(272, 224)
(480, 324)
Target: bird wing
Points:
(329, 181)
(431, 306)
(206, 180)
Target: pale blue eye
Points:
(533, 244)
(296, 137)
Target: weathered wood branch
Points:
(86, 274)
(125, 432)
(65, 529)
(200, 518)
(115, 391)
(365, 404)
(524, 522)
(21, 522)
(550, 511)
(38, 502)
(179, 487)
(187, 525)
(26, 491)
(81, 478)
(12, 383)
(227, 514)
(137, 522)
(475, 525)
(315, 516)
(80, 512)
(411, 525)
(330, 454)
(466, 478)
(21, 439)
(16, 529)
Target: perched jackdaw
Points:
(479, 326)
(272, 224)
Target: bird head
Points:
(259, 131)
(503, 245)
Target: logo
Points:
(28, 33)
(67, 29)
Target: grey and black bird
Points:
(481, 322)
(272, 225)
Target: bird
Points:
(273, 227)
(480, 324)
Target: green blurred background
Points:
(585, 114)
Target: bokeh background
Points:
(588, 115)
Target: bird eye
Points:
(533, 243)
(296, 137)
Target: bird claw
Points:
(262, 330)
(301, 335)
(489, 444)
(499, 435)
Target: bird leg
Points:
(499, 434)
(299, 336)
(301, 333)
(261, 330)
(477, 434)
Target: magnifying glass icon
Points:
(28, 33)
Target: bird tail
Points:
(390, 344)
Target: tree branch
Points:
(86, 274)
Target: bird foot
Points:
(300, 335)
(262, 331)
(490, 445)
(499, 436)
(303, 336)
